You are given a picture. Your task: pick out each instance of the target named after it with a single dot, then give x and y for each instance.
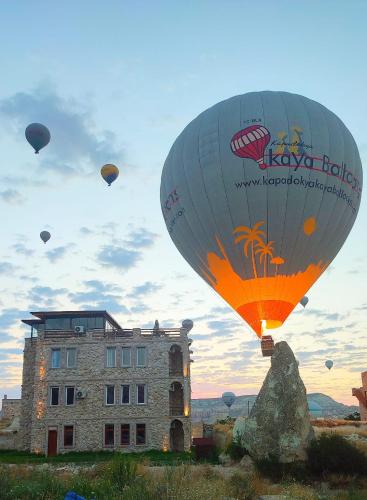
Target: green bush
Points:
(235, 450)
(121, 472)
(332, 453)
(241, 487)
(276, 471)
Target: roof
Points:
(43, 315)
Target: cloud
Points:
(117, 257)
(86, 231)
(21, 249)
(12, 197)
(7, 268)
(98, 296)
(147, 288)
(9, 317)
(141, 238)
(56, 254)
(76, 145)
(44, 296)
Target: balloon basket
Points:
(267, 345)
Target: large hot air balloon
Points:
(304, 301)
(109, 173)
(228, 398)
(329, 364)
(38, 136)
(45, 236)
(259, 193)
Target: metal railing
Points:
(176, 410)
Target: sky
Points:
(116, 82)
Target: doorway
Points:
(52, 443)
(176, 436)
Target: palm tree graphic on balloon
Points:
(253, 237)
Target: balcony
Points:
(175, 361)
(176, 400)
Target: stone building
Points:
(10, 408)
(361, 395)
(89, 384)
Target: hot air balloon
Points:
(187, 324)
(45, 236)
(228, 398)
(38, 136)
(109, 173)
(304, 301)
(258, 194)
(329, 364)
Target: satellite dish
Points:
(187, 324)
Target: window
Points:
(125, 394)
(110, 394)
(71, 357)
(55, 358)
(125, 434)
(140, 434)
(54, 396)
(109, 435)
(141, 356)
(141, 394)
(126, 356)
(69, 395)
(68, 435)
(111, 357)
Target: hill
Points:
(212, 409)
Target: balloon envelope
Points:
(109, 173)
(45, 236)
(38, 136)
(304, 301)
(228, 398)
(187, 324)
(258, 194)
(329, 364)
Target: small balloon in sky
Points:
(329, 364)
(45, 236)
(304, 301)
(38, 136)
(109, 173)
(228, 398)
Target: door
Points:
(52, 443)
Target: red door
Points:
(52, 443)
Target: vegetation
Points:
(153, 457)
(235, 450)
(355, 416)
(332, 453)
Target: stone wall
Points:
(10, 408)
(90, 414)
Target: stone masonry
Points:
(10, 408)
(90, 414)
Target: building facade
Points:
(361, 395)
(89, 384)
(10, 408)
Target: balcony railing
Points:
(176, 410)
(108, 333)
(176, 372)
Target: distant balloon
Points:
(304, 301)
(45, 236)
(38, 136)
(329, 364)
(109, 173)
(187, 324)
(259, 193)
(228, 398)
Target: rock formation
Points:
(279, 423)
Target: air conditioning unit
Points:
(80, 393)
(79, 329)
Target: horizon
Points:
(118, 85)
